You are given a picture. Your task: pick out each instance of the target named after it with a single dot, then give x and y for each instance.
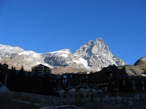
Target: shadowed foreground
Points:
(30, 101)
(7, 102)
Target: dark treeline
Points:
(23, 81)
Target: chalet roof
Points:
(38, 65)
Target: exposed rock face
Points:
(141, 63)
(17, 57)
(59, 58)
(92, 56)
(97, 55)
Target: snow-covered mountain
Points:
(92, 56)
(97, 55)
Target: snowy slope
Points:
(98, 55)
(6, 50)
(92, 56)
(17, 57)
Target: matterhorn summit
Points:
(92, 56)
(97, 47)
(98, 55)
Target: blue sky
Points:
(50, 25)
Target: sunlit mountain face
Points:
(92, 56)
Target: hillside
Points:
(92, 56)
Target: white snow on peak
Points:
(99, 39)
(34, 54)
(82, 61)
(10, 49)
(62, 53)
(94, 55)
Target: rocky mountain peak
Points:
(97, 47)
(10, 49)
(98, 40)
(92, 56)
(100, 47)
(97, 55)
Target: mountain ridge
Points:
(92, 56)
